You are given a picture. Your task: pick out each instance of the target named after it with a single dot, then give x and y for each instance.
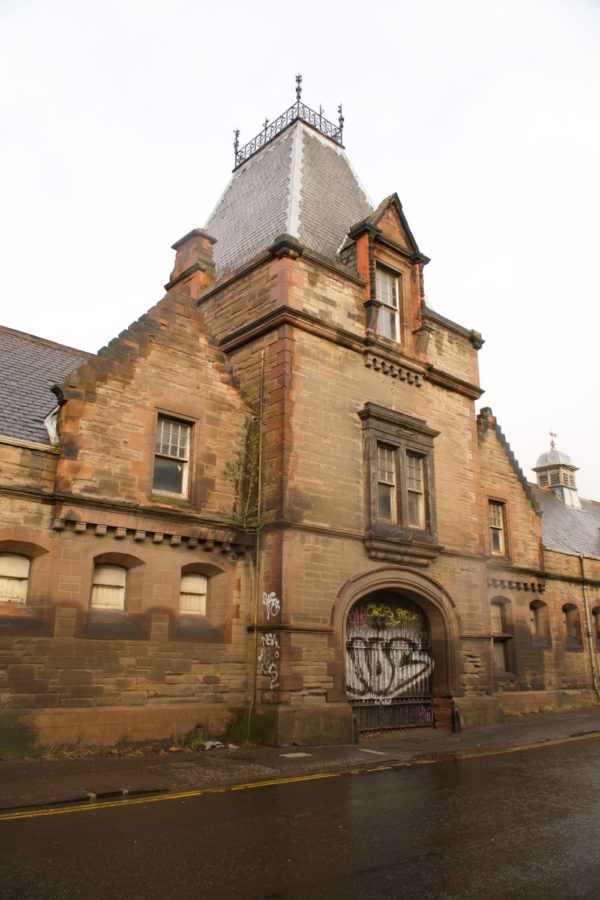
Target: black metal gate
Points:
(389, 665)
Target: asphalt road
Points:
(516, 825)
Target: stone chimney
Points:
(194, 262)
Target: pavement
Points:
(55, 781)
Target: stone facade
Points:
(290, 392)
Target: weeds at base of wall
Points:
(17, 738)
(193, 742)
(263, 728)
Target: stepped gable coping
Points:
(486, 420)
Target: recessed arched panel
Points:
(405, 587)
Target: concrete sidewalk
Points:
(54, 781)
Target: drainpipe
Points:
(257, 542)
(588, 622)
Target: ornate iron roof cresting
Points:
(298, 110)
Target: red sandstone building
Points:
(269, 508)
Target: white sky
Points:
(116, 123)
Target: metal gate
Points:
(389, 665)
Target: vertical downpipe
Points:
(588, 625)
(257, 542)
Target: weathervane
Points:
(236, 142)
(298, 87)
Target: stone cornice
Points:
(511, 584)
(292, 629)
(205, 539)
(383, 363)
(452, 383)
(470, 334)
(401, 552)
(379, 357)
(114, 508)
(297, 318)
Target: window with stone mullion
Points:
(386, 482)
(415, 489)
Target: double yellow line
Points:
(42, 812)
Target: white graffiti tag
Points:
(268, 656)
(271, 603)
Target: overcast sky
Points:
(116, 130)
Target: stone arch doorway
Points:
(416, 592)
(389, 663)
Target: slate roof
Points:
(300, 184)
(566, 529)
(30, 366)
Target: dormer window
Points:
(388, 292)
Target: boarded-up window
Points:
(14, 573)
(108, 589)
(192, 599)
(573, 626)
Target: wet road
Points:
(519, 825)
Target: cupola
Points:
(555, 470)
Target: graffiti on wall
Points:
(271, 603)
(388, 653)
(268, 657)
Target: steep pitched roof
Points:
(301, 184)
(567, 529)
(30, 366)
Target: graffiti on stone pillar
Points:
(268, 657)
(271, 603)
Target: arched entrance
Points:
(389, 663)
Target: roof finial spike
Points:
(340, 120)
(236, 142)
(552, 441)
(298, 87)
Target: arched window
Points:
(192, 596)
(14, 575)
(572, 627)
(540, 623)
(108, 587)
(502, 634)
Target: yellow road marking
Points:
(293, 779)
